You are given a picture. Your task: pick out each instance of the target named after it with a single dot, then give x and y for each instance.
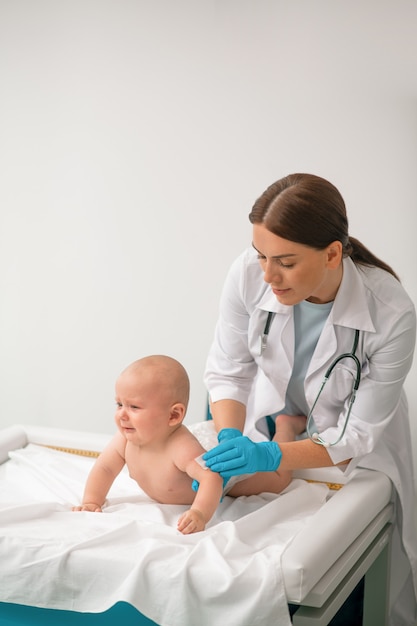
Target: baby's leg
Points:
(273, 482)
(287, 428)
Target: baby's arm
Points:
(206, 500)
(108, 465)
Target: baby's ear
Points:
(177, 414)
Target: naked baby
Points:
(159, 451)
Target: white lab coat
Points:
(368, 299)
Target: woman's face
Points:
(297, 272)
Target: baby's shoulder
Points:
(184, 436)
(119, 443)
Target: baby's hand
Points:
(192, 521)
(88, 506)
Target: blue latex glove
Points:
(228, 433)
(223, 435)
(240, 455)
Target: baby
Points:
(159, 451)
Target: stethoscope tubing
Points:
(315, 437)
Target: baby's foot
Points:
(289, 426)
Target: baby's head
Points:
(164, 374)
(151, 392)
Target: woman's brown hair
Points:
(309, 210)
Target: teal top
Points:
(309, 320)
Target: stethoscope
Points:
(356, 380)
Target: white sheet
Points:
(52, 557)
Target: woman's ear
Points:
(177, 414)
(334, 254)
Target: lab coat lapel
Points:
(284, 351)
(350, 311)
(350, 307)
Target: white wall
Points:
(135, 136)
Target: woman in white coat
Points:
(302, 295)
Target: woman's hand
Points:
(223, 435)
(239, 455)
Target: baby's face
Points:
(142, 408)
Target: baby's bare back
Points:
(157, 474)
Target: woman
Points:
(304, 294)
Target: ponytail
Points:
(360, 255)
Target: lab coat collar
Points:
(350, 307)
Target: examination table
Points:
(346, 537)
